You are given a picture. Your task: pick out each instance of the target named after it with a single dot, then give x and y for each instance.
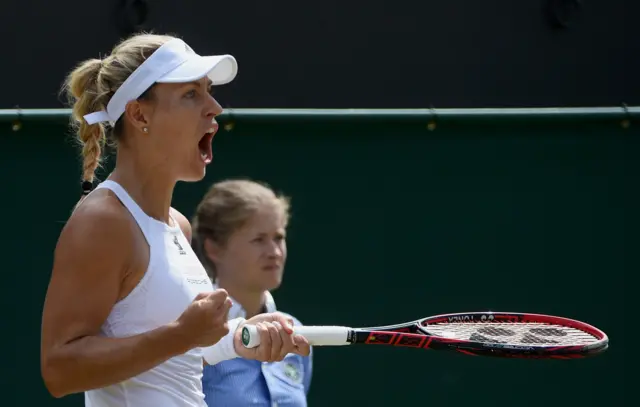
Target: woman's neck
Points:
(253, 302)
(148, 186)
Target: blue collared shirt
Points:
(240, 382)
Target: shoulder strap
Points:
(142, 219)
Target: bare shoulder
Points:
(184, 223)
(101, 227)
(100, 232)
(95, 250)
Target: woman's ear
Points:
(212, 250)
(138, 113)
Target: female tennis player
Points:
(239, 234)
(130, 315)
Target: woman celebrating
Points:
(240, 229)
(130, 313)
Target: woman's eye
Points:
(190, 94)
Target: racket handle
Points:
(316, 335)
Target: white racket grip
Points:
(316, 335)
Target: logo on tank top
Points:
(177, 243)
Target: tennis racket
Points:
(499, 334)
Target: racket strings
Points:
(512, 333)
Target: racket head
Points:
(513, 334)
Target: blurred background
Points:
(508, 181)
(351, 54)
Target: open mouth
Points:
(204, 145)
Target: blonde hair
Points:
(225, 208)
(90, 86)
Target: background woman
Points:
(240, 236)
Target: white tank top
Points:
(172, 280)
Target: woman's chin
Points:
(194, 174)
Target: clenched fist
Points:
(204, 322)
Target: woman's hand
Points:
(276, 339)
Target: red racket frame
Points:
(416, 334)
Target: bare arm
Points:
(94, 253)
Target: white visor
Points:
(173, 62)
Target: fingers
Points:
(201, 296)
(218, 298)
(276, 341)
(221, 314)
(288, 344)
(302, 346)
(264, 350)
(216, 305)
(276, 338)
(284, 321)
(227, 306)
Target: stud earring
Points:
(146, 130)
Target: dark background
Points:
(391, 222)
(351, 53)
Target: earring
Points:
(146, 130)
